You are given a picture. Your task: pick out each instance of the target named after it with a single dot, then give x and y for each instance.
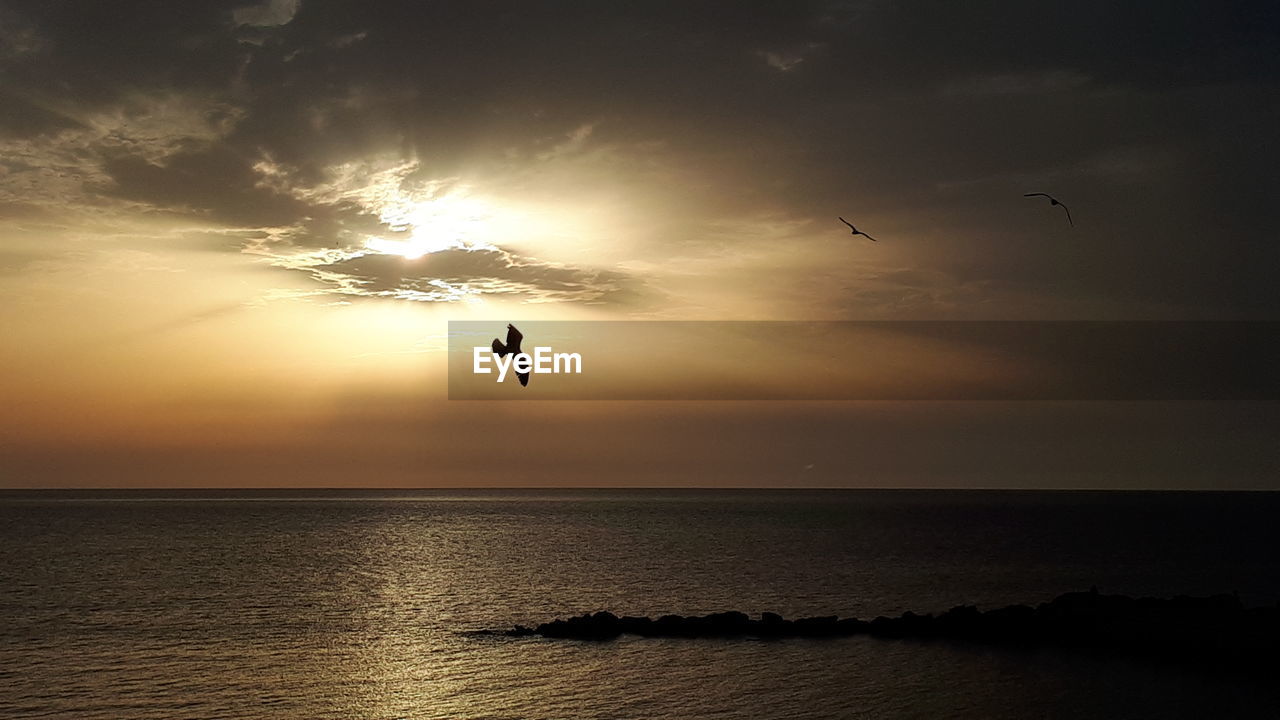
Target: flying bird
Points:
(513, 347)
(1053, 201)
(856, 231)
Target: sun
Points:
(455, 221)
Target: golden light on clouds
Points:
(235, 215)
(453, 221)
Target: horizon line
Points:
(824, 488)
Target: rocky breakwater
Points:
(1218, 630)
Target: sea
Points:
(307, 604)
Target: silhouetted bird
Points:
(856, 231)
(513, 346)
(1052, 201)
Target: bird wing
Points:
(1069, 220)
(846, 222)
(499, 349)
(513, 339)
(523, 378)
(868, 237)
(1037, 195)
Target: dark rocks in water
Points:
(1216, 630)
(607, 626)
(600, 626)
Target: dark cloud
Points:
(727, 136)
(20, 117)
(1154, 119)
(214, 180)
(93, 54)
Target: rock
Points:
(1217, 630)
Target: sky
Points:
(232, 235)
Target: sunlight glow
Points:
(454, 221)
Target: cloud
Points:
(786, 60)
(272, 13)
(22, 117)
(66, 166)
(213, 181)
(455, 274)
(782, 61)
(930, 116)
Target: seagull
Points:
(1052, 201)
(514, 337)
(856, 231)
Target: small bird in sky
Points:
(514, 337)
(856, 231)
(1053, 201)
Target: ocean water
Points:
(355, 605)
